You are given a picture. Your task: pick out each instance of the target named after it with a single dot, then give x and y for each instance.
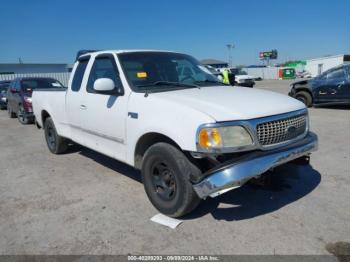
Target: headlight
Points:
(224, 137)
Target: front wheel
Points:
(166, 176)
(304, 97)
(55, 143)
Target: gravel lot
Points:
(85, 203)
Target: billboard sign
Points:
(268, 55)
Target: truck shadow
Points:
(288, 184)
(106, 161)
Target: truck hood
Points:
(225, 103)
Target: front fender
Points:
(175, 121)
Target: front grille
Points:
(282, 130)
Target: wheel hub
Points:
(163, 180)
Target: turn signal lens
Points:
(209, 137)
(204, 138)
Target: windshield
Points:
(158, 71)
(28, 85)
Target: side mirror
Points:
(104, 85)
(107, 86)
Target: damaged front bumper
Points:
(233, 174)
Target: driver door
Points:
(103, 116)
(326, 86)
(335, 84)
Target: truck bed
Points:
(52, 101)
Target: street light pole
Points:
(230, 47)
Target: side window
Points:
(103, 67)
(78, 75)
(347, 69)
(336, 74)
(323, 76)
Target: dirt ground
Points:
(85, 203)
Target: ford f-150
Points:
(162, 112)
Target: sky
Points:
(53, 31)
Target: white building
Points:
(60, 72)
(33, 68)
(317, 66)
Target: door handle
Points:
(83, 107)
(341, 84)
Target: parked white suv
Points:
(191, 136)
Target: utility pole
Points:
(230, 47)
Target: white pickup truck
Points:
(163, 113)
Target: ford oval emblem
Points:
(291, 129)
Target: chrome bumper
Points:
(235, 174)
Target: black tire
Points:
(166, 176)
(21, 116)
(55, 143)
(10, 113)
(304, 97)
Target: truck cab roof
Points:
(82, 53)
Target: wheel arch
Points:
(146, 141)
(304, 89)
(44, 116)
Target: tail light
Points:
(27, 103)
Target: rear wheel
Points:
(10, 113)
(165, 174)
(21, 115)
(55, 143)
(304, 97)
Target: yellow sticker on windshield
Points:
(141, 74)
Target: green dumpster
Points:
(286, 73)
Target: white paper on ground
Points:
(166, 221)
